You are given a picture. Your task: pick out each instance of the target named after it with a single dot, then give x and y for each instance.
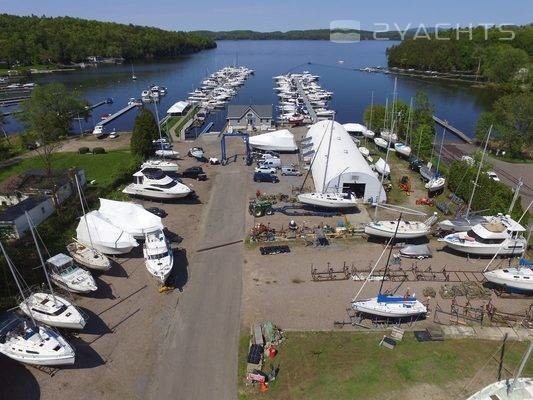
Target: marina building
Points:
(250, 116)
(345, 170)
(179, 108)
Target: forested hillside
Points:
(311, 34)
(495, 59)
(42, 40)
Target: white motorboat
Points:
(68, 276)
(382, 167)
(88, 257)
(50, 309)
(435, 184)
(98, 130)
(402, 149)
(519, 279)
(388, 136)
(167, 153)
(280, 140)
(154, 183)
(158, 255)
(364, 151)
(104, 236)
(498, 235)
(403, 229)
(328, 200)
(35, 344)
(369, 134)
(381, 143)
(385, 305)
(196, 152)
(163, 165)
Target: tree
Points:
(47, 116)
(422, 141)
(144, 131)
(502, 63)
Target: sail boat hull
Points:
(87, 257)
(390, 309)
(406, 230)
(59, 313)
(327, 200)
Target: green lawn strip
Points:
(348, 365)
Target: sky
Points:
(270, 15)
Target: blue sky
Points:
(282, 15)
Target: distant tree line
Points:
(310, 34)
(31, 40)
(497, 60)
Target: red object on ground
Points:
(263, 387)
(272, 352)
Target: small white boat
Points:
(518, 279)
(388, 136)
(98, 130)
(88, 257)
(163, 165)
(364, 151)
(369, 134)
(436, 183)
(50, 309)
(385, 305)
(158, 255)
(381, 143)
(154, 183)
(196, 152)
(382, 167)
(328, 200)
(402, 149)
(68, 276)
(167, 153)
(403, 229)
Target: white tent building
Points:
(347, 170)
(281, 140)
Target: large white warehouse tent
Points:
(281, 140)
(347, 170)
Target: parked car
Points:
(271, 162)
(262, 177)
(195, 173)
(265, 169)
(493, 175)
(290, 171)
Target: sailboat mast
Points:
(516, 193)
(12, 269)
(522, 366)
(30, 223)
(83, 210)
(390, 253)
(409, 121)
(386, 113)
(478, 172)
(327, 156)
(371, 110)
(440, 149)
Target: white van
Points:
(290, 171)
(271, 162)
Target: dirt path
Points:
(200, 353)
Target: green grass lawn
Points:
(104, 168)
(350, 365)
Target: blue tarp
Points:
(525, 263)
(384, 298)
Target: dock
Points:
(100, 103)
(303, 95)
(452, 129)
(117, 114)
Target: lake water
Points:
(459, 104)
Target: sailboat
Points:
(31, 343)
(328, 199)
(49, 308)
(516, 279)
(437, 182)
(133, 76)
(84, 255)
(402, 229)
(385, 304)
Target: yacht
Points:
(88, 257)
(402, 149)
(381, 143)
(154, 183)
(497, 235)
(364, 151)
(386, 305)
(52, 310)
(403, 229)
(328, 200)
(162, 164)
(516, 279)
(68, 276)
(158, 255)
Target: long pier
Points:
(117, 114)
(452, 129)
(303, 95)
(100, 103)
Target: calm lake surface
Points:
(459, 104)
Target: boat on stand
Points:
(402, 229)
(158, 255)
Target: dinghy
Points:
(158, 255)
(364, 151)
(382, 167)
(381, 143)
(88, 257)
(402, 229)
(328, 200)
(68, 276)
(402, 149)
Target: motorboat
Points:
(364, 151)
(104, 236)
(516, 279)
(167, 153)
(369, 134)
(402, 149)
(280, 140)
(328, 200)
(88, 257)
(296, 119)
(388, 136)
(154, 183)
(52, 310)
(98, 130)
(497, 235)
(382, 167)
(196, 152)
(381, 143)
(34, 344)
(162, 164)
(389, 306)
(403, 229)
(66, 275)
(435, 184)
(461, 224)
(158, 255)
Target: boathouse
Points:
(249, 116)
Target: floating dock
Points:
(117, 114)
(303, 95)
(100, 103)
(452, 129)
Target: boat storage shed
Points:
(347, 170)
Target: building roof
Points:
(13, 212)
(178, 107)
(239, 111)
(33, 180)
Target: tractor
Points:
(259, 208)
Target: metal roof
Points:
(239, 111)
(17, 210)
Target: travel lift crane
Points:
(245, 137)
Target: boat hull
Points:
(141, 192)
(374, 230)
(74, 320)
(467, 247)
(515, 284)
(103, 263)
(390, 310)
(322, 201)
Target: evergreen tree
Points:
(144, 131)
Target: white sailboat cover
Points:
(130, 217)
(281, 140)
(103, 233)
